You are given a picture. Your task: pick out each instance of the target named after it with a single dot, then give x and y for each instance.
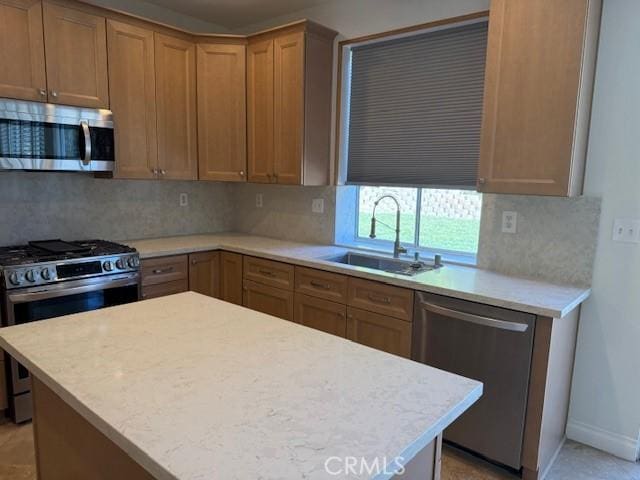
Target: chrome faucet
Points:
(397, 248)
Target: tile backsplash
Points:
(555, 240)
(36, 205)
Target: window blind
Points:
(415, 109)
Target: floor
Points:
(575, 462)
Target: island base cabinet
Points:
(68, 446)
(379, 331)
(321, 314)
(269, 300)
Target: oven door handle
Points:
(63, 291)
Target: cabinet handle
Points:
(154, 171)
(42, 92)
(266, 272)
(159, 271)
(374, 298)
(163, 172)
(323, 286)
(54, 94)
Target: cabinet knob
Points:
(154, 171)
(241, 173)
(163, 172)
(482, 181)
(42, 92)
(54, 94)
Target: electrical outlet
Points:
(317, 206)
(184, 200)
(509, 222)
(626, 230)
(258, 200)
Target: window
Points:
(438, 220)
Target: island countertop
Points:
(191, 387)
(467, 283)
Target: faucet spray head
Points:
(372, 234)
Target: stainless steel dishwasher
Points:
(489, 344)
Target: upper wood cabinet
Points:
(260, 111)
(222, 113)
(204, 273)
(22, 64)
(175, 60)
(289, 105)
(537, 100)
(132, 85)
(76, 57)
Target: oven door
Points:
(39, 303)
(37, 136)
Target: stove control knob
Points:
(14, 279)
(45, 273)
(30, 276)
(133, 262)
(120, 264)
(108, 265)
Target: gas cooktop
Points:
(56, 250)
(52, 261)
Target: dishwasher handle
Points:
(477, 319)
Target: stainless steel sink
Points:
(385, 264)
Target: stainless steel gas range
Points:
(52, 278)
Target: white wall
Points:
(605, 405)
(160, 14)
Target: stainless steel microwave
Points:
(44, 136)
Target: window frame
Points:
(376, 244)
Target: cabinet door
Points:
(222, 115)
(22, 72)
(321, 314)
(260, 111)
(379, 331)
(231, 277)
(176, 103)
(76, 57)
(132, 85)
(288, 107)
(534, 64)
(3, 385)
(204, 273)
(270, 300)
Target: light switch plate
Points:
(184, 200)
(509, 222)
(317, 206)
(258, 200)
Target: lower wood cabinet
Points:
(3, 385)
(231, 277)
(204, 273)
(379, 331)
(164, 276)
(266, 299)
(321, 314)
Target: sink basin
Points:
(385, 264)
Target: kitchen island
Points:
(190, 387)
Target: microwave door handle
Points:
(477, 319)
(86, 159)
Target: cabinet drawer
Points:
(166, 288)
(377, 297)
(164, 269)
(267, 272)
(317, 283)
(269, 300)
(381, 332)
(321, 314)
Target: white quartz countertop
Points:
(467, 283)
(195, 388)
